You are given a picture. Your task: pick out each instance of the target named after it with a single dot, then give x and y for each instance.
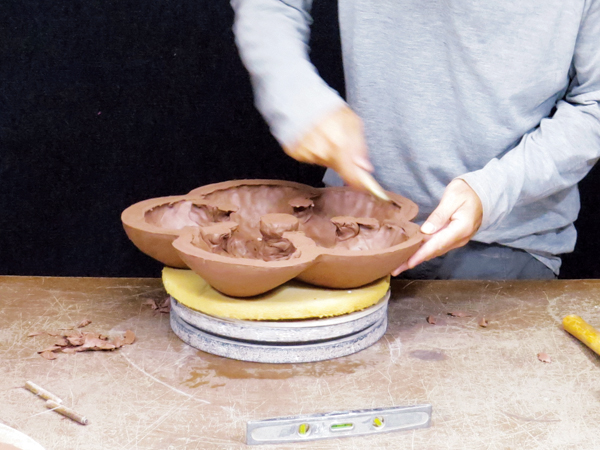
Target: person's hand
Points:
(451, 225)
(337, 142)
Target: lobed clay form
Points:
(247, 237)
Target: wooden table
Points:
(486, 385)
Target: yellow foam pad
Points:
(290, 301)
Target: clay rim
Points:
(403, 202)
(223, 185)
(135, 215)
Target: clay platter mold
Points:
(247, 237)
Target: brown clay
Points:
(247, 237)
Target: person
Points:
(486, 114)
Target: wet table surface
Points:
(486, 385)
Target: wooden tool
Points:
(54, 403)
(67, 412)
(41, 392)
(371, 185)
(583, 331)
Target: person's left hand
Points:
(451, 225)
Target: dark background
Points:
(104, 103)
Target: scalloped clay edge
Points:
(247, 237)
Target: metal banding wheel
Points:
(281, 341)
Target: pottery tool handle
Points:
(583, 331)
(371, 185)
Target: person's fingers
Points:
(452, 200)
(447, 225)
(363, 162)
(451, 225)
(348, 152)
(404, 266)
(347, 167)
(456, 234)
(323, 153)
(312, 150)
(400, 269)
(337, 142)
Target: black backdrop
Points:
(104, 103)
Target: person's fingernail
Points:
(399, 270)
(428, 228)
(363, 163)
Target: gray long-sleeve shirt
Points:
(504, 95)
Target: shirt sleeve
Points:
(561, 150)
(272, 38)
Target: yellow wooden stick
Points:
(583, 331)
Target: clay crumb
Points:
(36, 333)
(459, 314)
(165, 306)
(431, 319)
(129, 337)
(48, 355)
(50, 349)
(76, 341)
(544, 357)
(483, 322)
(160, 307)
(61, 342)
(93, 342)
(84, 323)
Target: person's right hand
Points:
(337, 142)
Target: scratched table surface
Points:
(486, 385)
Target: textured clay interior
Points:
(267, 223)
(249, 221)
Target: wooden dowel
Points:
(67, 412)
(41, 392)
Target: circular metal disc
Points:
(299, 331)
(278, 353)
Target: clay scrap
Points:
(247, 237)
(160, 307)
(84, 323)
(76, 341)
(544, 357)
(459, 314)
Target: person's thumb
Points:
(438, 219)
